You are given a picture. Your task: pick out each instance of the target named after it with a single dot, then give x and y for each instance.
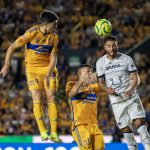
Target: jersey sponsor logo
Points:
(113, 66)
(119, 123)
(41, 48)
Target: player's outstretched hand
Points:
(93, 78)
(127, 94)
(83, 80)
(4, 70)
(110, 91)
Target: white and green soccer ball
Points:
(103, 27)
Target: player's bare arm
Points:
(52, 64)
(8, 57)
(75, 90)
(135, 81)
(101, 82)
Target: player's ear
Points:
(116, 44)
(104, 46)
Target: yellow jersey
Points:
(83, 105)
(38, 47)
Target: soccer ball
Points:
(103, 27)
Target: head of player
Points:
(84, 71)
(48, 21)
(111, 46)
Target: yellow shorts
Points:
(88, 137)
(36, 78)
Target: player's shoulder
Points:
(55, 35)
(101, 59)
(33, 29)
(124, 56)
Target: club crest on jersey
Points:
(37, 39)
(113, 66)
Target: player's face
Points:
(86, 72)
(111, 48)
(50, 27)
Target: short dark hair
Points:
(48, 16)
(85, 65)
(110, 38)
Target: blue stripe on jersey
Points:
(39, 48)
(91, 97)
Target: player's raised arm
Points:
(101, 78)
(21, 41)
(135, 80)
(75, 89)
(83, 72)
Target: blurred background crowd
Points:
(131, 24)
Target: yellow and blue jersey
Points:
(38, 47)
(83, 105)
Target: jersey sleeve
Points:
(69, 86)
(99, 69)
(27, 36)
(130, 65)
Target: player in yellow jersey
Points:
(41, 51)
(82, 97)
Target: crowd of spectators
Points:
(130, 20)
(130, 24)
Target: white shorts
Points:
(127, 110)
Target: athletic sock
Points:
(52, 113)
(38, 113)
(131, 143)
(145, 137)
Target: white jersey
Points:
(116, 73)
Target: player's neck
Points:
(111, 57)
(43, 30)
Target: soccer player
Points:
(118, 73)
(41, 51)
(82, 98)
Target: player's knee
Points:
(126, 130)
(138, 122)
(50, 96)
(36, 94)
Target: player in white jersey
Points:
(118, 73)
